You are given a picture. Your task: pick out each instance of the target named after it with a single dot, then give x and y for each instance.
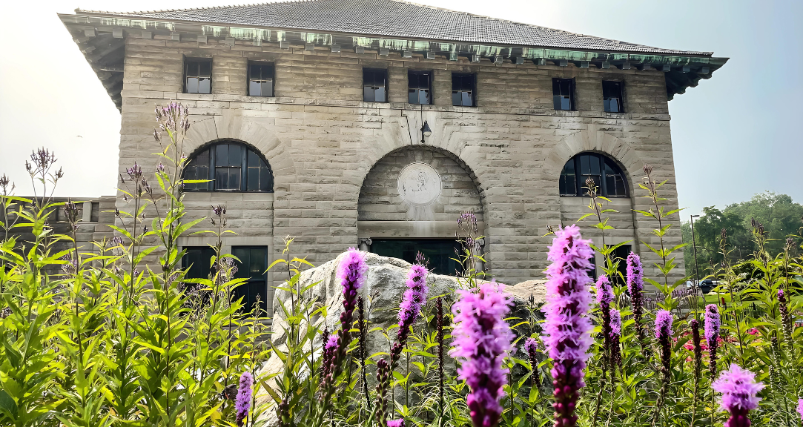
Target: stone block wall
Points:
(322, 142)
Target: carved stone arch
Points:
(250, 131)
(598, 142)
(405, 132)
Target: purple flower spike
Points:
(567, 328)
(616, 322)
(604, 291)
(396, 423)
(414, 298)
(616, 333)
(800, 408)
(482, 340)
(530, 345)
(663, 324)
(351, 274)
(739, 388)
(712, 323)
(242, 403)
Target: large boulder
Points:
(384, 286)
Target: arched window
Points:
(608, 177)
(232, 166)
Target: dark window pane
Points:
(252, 265)
(265, 178)
(456, 98)
(222, 155)
(198, 260)
(594, 163)
(253, 159)
(413, 96)
(95, 213)
(234, 178)
(253, 179)
(267, 88)
(440, 253)
(612, 96)
(221, 178)
(568, 180)
(562, 94)
(368, 94)
(235, 155)
(585, 164)
(205, 69)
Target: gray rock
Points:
(382, 293)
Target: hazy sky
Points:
(734, 135)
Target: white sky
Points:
(734, 135)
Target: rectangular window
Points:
(419, 87)
(612, 97)
(228, 166)
(198, 260)
(463, 89)
(260, 79)
(94, 215)
(563, 94)
(374, 85)
(253, 266)
(197, 75)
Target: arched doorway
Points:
(410, 201)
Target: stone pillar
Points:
(365, 244)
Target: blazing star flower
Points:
(800, 408)
(351, 274)
(396, 423)
(531, 348)
(739, 389)
(568, 329)
(712, 324)
(604, 298)
(635, 286)
(616, 333)
(414, 298)
(242, 402)
(616, 322)
(663, 324)
(482, 339)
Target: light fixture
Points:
(425, 131)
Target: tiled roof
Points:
(397, 18)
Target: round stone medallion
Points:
(419, 184)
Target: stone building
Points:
(375, 123)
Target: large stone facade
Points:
(336, 158)
(347, 171)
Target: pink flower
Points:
(753, 331)
(396, 423)
(616, 322)
(800, 408)
(567, 328)
(482, 340)
(739, 389)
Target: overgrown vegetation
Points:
(121, 337)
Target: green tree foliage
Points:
(780, 216)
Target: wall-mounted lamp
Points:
(425, 131)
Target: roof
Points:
(397, 18)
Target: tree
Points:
(780, 216)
